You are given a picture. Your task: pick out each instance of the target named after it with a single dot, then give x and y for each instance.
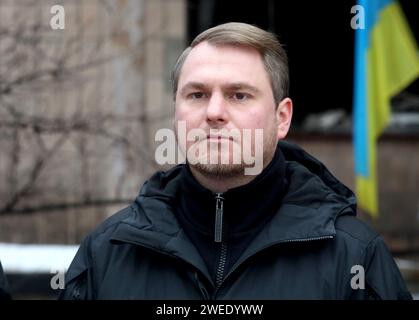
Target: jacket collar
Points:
(312, 202)
(244, 207)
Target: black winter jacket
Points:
(4, 294)
(312, 248)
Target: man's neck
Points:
(219, 184)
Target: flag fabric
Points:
(386, 61)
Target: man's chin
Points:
(219, 170)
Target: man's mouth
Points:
(218, 137)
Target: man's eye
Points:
(196, 95)
(240, 96)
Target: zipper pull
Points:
(218, 231)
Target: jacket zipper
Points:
(218, 230)
(219, 236)
(221, 265)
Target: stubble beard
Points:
(219, 170)
(233, 170)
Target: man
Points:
(209, 230)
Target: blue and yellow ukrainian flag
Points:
(386, 61)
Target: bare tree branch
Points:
(33, 176)
(36, 122)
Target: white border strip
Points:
(36, 258)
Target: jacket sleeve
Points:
(79, 276)
(4, 294)
(383, 279)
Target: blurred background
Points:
(79, 109)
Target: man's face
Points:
(225, 91)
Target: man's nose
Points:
(217, 109)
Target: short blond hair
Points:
(272, 53)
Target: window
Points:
(320, 46)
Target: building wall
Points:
(398, 173)
(78, 122)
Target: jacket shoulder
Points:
(111, 222)
(80, 275)
(355, 228)
(383, 279)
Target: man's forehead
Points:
(214, 61)
(208, 47)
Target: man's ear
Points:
(283, 117)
